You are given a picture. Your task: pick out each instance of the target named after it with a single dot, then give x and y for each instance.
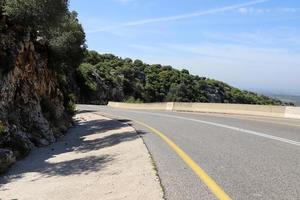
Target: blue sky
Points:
(248, 44)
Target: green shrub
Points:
(133, 100)
(66, 44)
(35, 14)
(106, 77)
(71, 105)
(86, 79)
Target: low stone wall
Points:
(242, 109)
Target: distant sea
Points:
(288, 98)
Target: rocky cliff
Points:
(31, 104)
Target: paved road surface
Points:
(248, 157)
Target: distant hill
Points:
(288, 98)
(106, 77)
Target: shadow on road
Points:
(74, 142)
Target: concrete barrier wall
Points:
(139, 106)
(292, 112)
(257, 110)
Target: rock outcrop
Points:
(31, 105)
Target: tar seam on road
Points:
(227, 127)
(204, 177)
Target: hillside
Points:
(39, 52)
(45, 68)
(105, 77)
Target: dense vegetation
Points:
(45, 68)
(107, 77)
(41, 46)
(54, 29)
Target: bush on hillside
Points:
(36, 15)
(110, 78)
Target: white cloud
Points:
(180, 17)
(251, 10)
(290, 10)
(279, 36)
(228, 52)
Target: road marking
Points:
(267, 121)
(251, 118)
(204, 177)
(264, 135)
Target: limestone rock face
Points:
(31, 104)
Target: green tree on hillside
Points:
(36, 15)
(54, 30)
(135, 81)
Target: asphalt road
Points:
(248, 157)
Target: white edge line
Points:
(264, 135)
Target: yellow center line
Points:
(203, 176)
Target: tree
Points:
(53, 26)
(92, 57)
(67, 43)
(86, 73)
(135, 81)
(36, 15)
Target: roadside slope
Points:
(99, 159)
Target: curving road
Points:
(248, 157)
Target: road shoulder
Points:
(100, 158)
